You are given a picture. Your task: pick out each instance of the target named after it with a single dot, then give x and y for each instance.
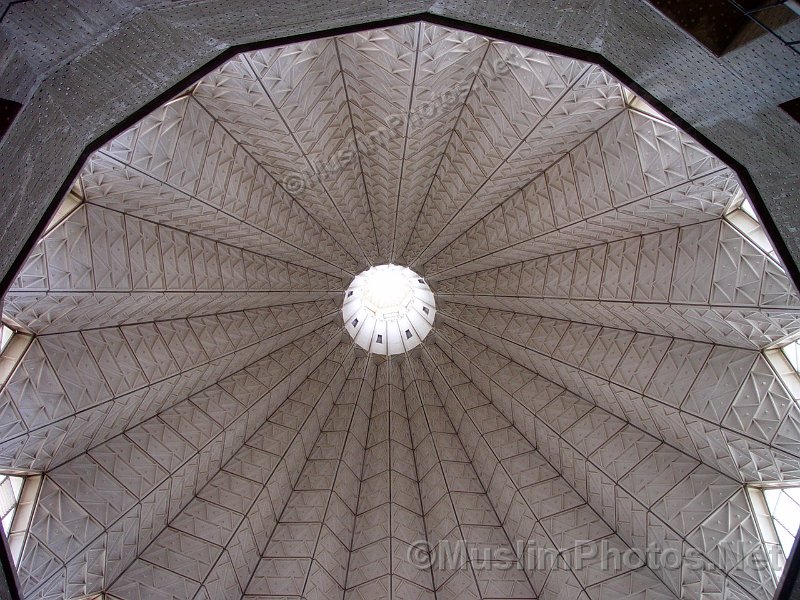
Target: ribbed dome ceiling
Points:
(598, 374)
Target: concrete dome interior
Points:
(610, 368)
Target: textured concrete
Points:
(82, 67)
(596, 379)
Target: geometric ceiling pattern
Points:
(601, 375)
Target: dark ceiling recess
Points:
(8, 110)
(792, 108)
(724, 25)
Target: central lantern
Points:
(388, 309)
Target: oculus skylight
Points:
(388, 309)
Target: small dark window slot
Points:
(408, 334)
(380, 339)
(8, 112)
(792, 108)
(355, 322)
(350, 293)
(426, 310)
